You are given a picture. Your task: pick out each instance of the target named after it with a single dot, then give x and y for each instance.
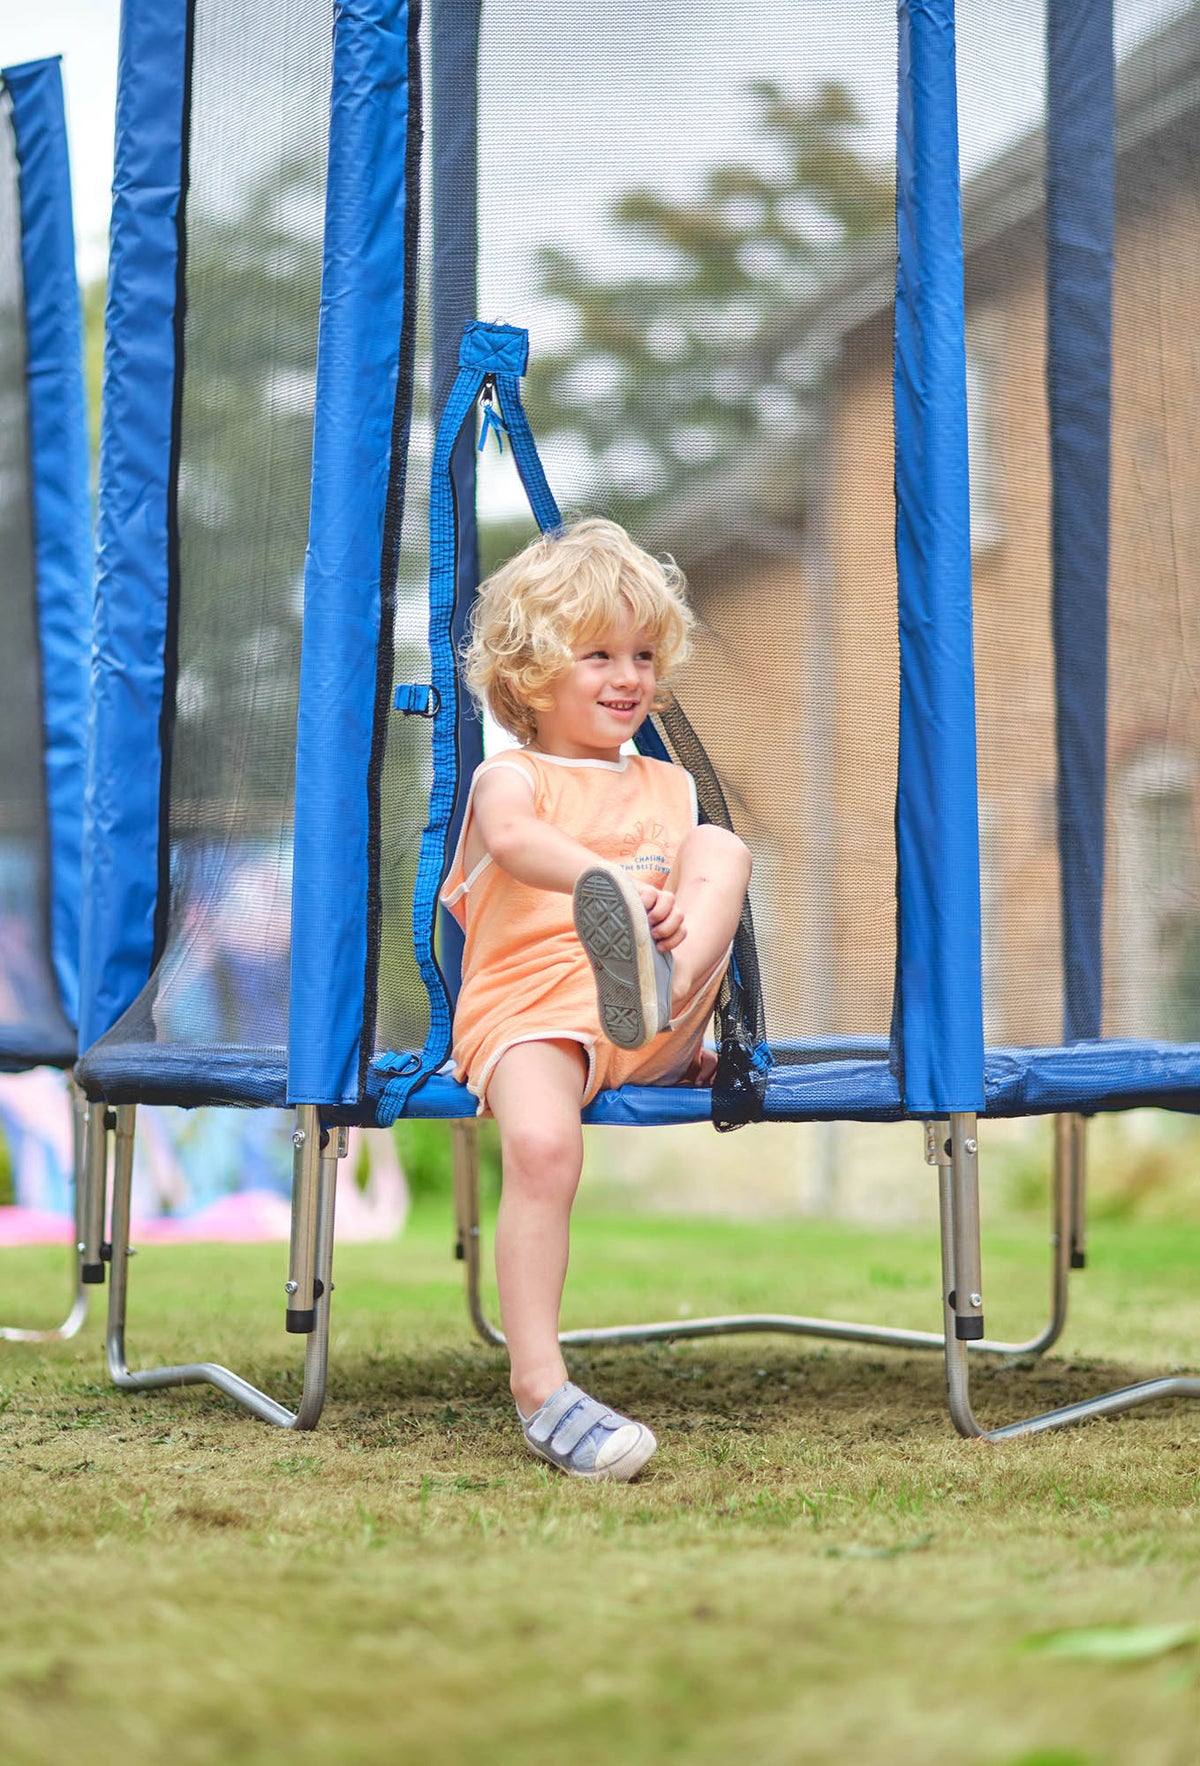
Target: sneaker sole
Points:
(615, 934)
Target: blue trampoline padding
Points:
(29, 1046)
(58, 448)
(940, 1012)
(862, 1090)
(184, 1074)
(358, 365)
(1088, 1077)
(1080, 154)
(122, 806)
(833, 1091)
(634, 1106)
(1093, 1076)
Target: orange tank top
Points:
(523, 965)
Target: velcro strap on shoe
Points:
(582, 1420)
(542, 1424)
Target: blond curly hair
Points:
(535, 612)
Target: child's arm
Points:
(537, 853)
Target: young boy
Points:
(598, 918)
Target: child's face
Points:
(604, 697)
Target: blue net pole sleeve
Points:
(940, 1015)
(122, 804)
(363, 323)
(58, 447)
(1080, 148)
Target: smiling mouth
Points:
(619, 705)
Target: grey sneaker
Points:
(584, 1439)
(633, 977)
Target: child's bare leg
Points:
(709, 879)
(536, 1093)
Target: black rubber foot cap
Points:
(1078, 1259)
(92, 1274)
(968, 1330)
(301, 1323)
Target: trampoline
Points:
(45, 593)
(919, 448)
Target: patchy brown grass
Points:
(815, 1568)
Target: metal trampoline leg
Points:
(1072, 1131)
(468, 1249)
(313, 1194)
(958, 1172)
(464, 1138)
(73, 1322)
(959, 1190)
(93, 1250)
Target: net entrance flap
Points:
(681, 216)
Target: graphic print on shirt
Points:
(647, 850)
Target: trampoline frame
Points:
(940, 1073)
(310, 1261)
(951, 1146)
(1066, 1243)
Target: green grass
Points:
(815, 1568)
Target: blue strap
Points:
(495, 357)
(529, 466)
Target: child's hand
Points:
(664, 914)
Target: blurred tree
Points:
(675, 368)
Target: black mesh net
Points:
(1152, 852)
(1150, 964)
(696, 223)
(1005, 258)
(252, 237)
(32, 1026)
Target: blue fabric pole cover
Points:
(122, 807)
(939, 969)
(58, 445)
(363, 319)
(1080, 152)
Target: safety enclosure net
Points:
(704, 231)
(251, 233)
(33, 1028)
(1084, 543)
(677, 216)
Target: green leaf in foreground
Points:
(1112, 1643)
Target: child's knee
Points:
(544, 1157)
(722, 847)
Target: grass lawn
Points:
(814, 1568)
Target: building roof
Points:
(1156, 85)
